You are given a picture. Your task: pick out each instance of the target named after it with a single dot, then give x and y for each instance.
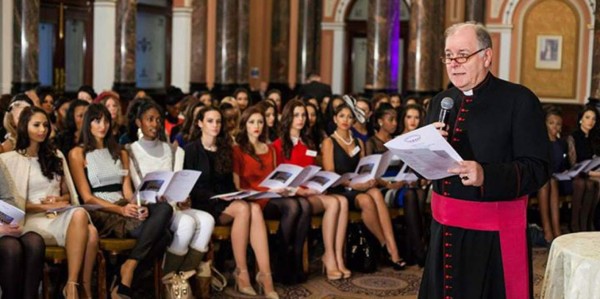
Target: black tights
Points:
(413, 208)
(294, 215)
(21, 267)
(585, 199)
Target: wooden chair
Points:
(58, 255)
(115, 247)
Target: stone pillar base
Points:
(369, 93)
(198, 86)
(125, 89)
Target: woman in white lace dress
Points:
(42, 177)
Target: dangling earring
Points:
(579, 121)
(380, 124)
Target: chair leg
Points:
(158, 286)
(101, 264)
(46, 282)
(305, 263)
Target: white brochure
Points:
(174, 186)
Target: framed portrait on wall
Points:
(548, 54)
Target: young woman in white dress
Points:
(42, 177)
(192, 228)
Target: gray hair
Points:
(483, 36)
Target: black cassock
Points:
(501, 126)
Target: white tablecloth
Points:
(573, 269)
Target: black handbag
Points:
(360, 252)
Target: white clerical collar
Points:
(468, 92)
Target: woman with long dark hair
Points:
(100, 170)
(253, 160)
(294, 146)
(341, 154)
(271, 118)
(44, 181)
(22, 254)
(585, 187)
(68, 138)
(211, 152)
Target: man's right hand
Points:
(441, 127)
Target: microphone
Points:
(446, 104)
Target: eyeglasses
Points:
(460, 59)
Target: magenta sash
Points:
(506, 217)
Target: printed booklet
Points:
(174, 186)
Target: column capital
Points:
(333, 26)
(182, 11)
(105, 3)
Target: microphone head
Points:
(447, 103)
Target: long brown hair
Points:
(223, 160)
(287, 118)
(242, 137)
(49, 161)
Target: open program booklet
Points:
(426, 152)
(174, 186)
(584, 166)
(287, 177)
(10, 214)
(369, 167)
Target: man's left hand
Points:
(470, 173)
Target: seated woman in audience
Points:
(60, 110)
(335, 101)
(586, 186)
(191, 228)
(315, 125)
(68, 138)
(253, 160)
(295, 147)
(385, 125)
(231, 119)
(271, 119)
(112, 102)
(211, 152)
(86, 93)
(42, 178)
(242, 98)
(548, 194)
(275, 96)
(11, 119)
(378, 99)
(205, 98)
(132, 133)
(187, 130)
(395, 100)
(101, 173)
(22, 254)
(341, 154)
(361, 130)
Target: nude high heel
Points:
(333, 274)
(243, 290)
(70, 284)
(261, 286)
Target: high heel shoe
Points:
(119, 290)
(346, 273)
(333, 274)
(243, 290)
(398, 265)
(71, 284)
(261, 286)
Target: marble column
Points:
(309, 19)
(226, 53)
(198, 47)
(595, 84)
(104, 34)
(6, 42)
(243, 32)
(181, 47)
(425, 47)
(25, 45)
(475, 11)
(125, 48)
(280, 43)
(383, 34)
